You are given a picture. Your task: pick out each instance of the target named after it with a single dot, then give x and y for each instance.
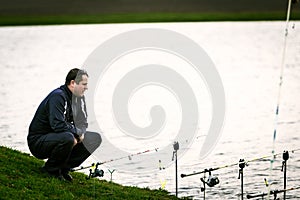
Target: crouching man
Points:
(58, 129)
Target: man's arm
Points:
(57, 109)
(80, 116)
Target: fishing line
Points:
(279, 92)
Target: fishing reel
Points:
(211, 180)
(95, 172)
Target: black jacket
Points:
(55, 114)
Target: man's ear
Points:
(72, 83)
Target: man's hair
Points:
(76, 75)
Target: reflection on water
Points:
(34, 60)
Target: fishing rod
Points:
(280, 86)
(212, 181)
(206, 170)
(175, 146)
(272, 192)
(197, 164)
(115, 159)
(225, 166)
(234, 164)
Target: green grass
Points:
(20, 178)
(7, 20)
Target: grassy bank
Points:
(8, 20)
(21, 178)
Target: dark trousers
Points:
(60, 150)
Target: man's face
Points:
(81, 87)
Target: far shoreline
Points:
(20, 20)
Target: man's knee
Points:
(96, 138)
(92, 140)
(99, 138)
(69, 139)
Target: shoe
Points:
(55, 173)
(66, 175)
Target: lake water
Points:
(35, 59)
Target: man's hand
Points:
(79, 136)
(79, 139)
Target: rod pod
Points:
(285, 157)
(176, 148)
(242, 165)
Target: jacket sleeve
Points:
(80, 117)
(57, 108)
